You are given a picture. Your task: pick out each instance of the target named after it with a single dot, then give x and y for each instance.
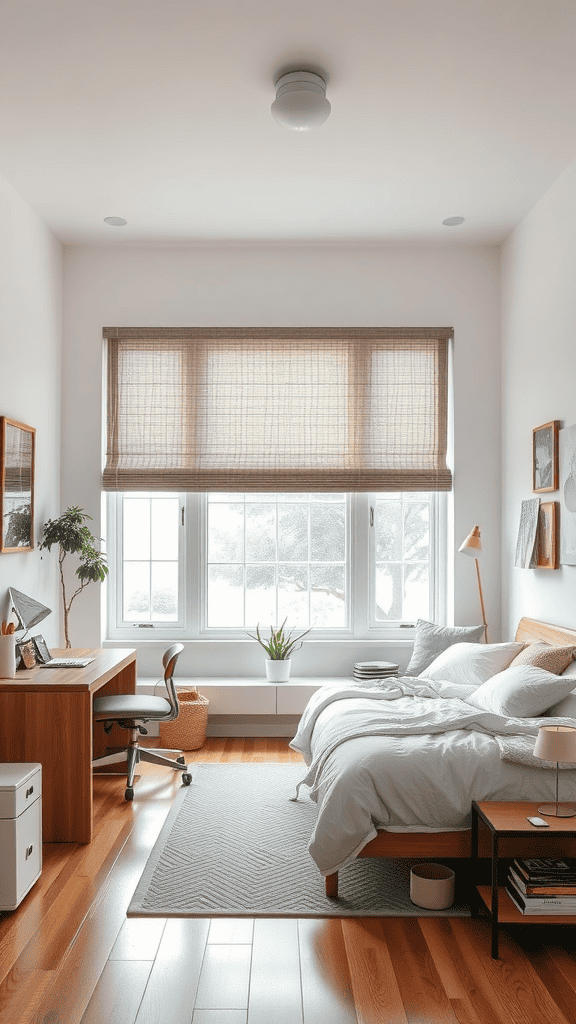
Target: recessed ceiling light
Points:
(117, 222)
(452, 222)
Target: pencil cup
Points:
(7, 656)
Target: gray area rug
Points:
(234, 845)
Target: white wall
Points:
(287, 286)
(30, 354)
(538, 383)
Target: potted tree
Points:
(73, 537)
(279, 647)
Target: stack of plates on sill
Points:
(365, 671)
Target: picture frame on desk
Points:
(43, 655)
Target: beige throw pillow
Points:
(543, 655)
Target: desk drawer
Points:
(20, 786)
(20, 855)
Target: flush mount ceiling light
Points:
(116, 222)
(453, 222)
(301, 103)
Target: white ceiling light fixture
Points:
(116, 222)
(453, 222)
(301, 103)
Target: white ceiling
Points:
(159, 112)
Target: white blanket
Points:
(409, 757)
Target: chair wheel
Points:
(186, 778)
(129, 793)
(181, 759)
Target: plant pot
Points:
(278, 671)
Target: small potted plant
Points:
(279, 647)
(72, 537)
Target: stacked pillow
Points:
(521, 691)
(430, 640)
(566, 708)
(471, 664)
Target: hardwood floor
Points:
(69, 955)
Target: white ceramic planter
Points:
(278, 671)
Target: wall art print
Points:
(17, 442)
(545, 457)
(567, 456)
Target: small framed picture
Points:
(42, 653)
(547, 537)
(545, 457)
(27, 654)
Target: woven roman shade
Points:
(254, 409)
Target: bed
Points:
(480, 772)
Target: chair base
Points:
(134, 753)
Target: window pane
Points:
(327, 596)
(165, 529)
(260, 532)
(416, 530)
(165, 591)
(417, 591)
(225, 532)
(292, 532)
(260, 595)
(137, 591)
(327, 533)
(388, 523)
(388, 592)
(136, 530)
(293, 594)
(225, 595)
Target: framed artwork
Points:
(545, 457)
(43, 655)
(567, 457)
(26, 655)
(17, 443)
(547, 549)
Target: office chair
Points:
(131, 711)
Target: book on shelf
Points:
(549, 888)
(555, 906)
(542, 870)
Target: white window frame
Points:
(360, 576)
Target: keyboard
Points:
(68, 662)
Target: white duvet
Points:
(408, 758)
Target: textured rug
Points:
(234, 844)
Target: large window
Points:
(346, 565)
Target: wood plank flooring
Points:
(69, 955)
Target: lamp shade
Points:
(29, 612)
(556, 743)
(301, 103)
(473, 544)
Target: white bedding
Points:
(408, 758)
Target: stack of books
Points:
(542, 885)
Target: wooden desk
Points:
(46, 716)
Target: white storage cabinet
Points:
(20, 831)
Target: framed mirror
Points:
(17, 443)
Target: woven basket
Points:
(188, 731)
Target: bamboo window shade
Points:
(255, 409)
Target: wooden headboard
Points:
(530, 630)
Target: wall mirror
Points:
(16, 485)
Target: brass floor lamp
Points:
(473, 546)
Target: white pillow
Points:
(566, 708)
(522, 691)
(471, 664)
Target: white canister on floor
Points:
(432, 886)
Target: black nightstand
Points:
(507, 820)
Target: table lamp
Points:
(473, 546)
(556, 743)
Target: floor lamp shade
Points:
(473, 546)
(556, 743)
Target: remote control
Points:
(538, 821)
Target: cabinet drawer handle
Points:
(29, 791)
(29, 851)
